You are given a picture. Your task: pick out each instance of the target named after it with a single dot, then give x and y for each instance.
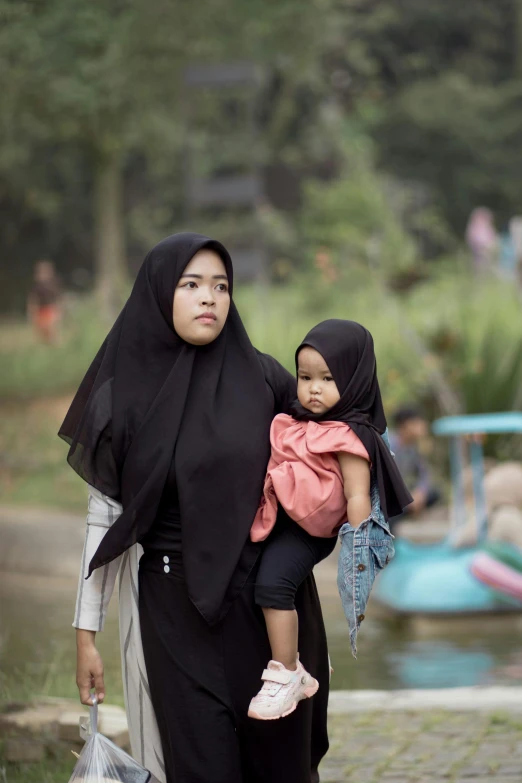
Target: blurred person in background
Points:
(482, 238)
(515, 232)
(410, 430)
(507, 256)
(44, 302)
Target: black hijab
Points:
(149, 395)
(347, 348)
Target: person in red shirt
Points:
(44, 302)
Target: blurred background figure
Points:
(482, 239)
(507, 255)
(44, 302)
(515, 232)
(503, 497)
(411, 431)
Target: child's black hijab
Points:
(147, 394)
(347, 348)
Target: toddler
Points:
(319, 472)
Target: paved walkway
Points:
(424, 747)
(386, 737)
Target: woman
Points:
(170, 428)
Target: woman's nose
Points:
(207, 298)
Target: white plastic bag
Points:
(101, 761)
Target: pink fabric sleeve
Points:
(266, 516)
(305, 477)
(333, 437)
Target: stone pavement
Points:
(370, 742)
(424, 747)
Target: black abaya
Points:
(202, 678)
(149, 398)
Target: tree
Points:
(462, 140)
(94, 87)
(95, 76)
(441, 92)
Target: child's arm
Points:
(356, 476)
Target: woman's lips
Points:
(206, 318)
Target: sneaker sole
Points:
(307, 694)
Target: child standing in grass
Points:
(44, 302)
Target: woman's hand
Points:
(89, 667)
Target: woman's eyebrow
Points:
(200, 277)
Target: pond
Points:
(421, 654)
(37, 644)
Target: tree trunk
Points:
(110, 262)
(518, 39)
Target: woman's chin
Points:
(202, 334)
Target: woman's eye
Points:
(222, 287)
(190, 284)
(328, 378)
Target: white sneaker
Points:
(281, 691)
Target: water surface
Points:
(37, 644)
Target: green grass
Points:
(33, 469)
(471, 332)
(48, 668)
(29, 369)
(51, 770)
(55, 677)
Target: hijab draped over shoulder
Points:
(149, 397)
(347, 348)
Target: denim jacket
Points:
(365, 551)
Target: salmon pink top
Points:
(305, 477)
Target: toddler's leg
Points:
(283, 628)
(289, 556)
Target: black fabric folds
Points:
(347, 348)
(149, 395)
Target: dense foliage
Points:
(93, 120)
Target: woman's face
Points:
(316, 388)
(201, 299)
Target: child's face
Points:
(316, 389)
